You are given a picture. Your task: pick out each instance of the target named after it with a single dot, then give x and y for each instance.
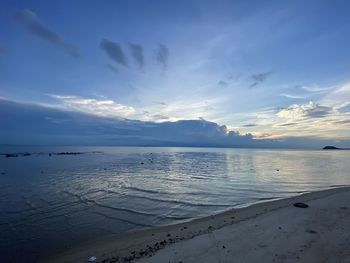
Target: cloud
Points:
(114, 51)
(338, 96)
(313, 88)
(343, 121)
(344, 108)
(222, 83)
(317, 120)
(162, 56)
(47, 125)
(249, 125)
(303, 92)
(160, 117)
(104, 108)
(311, 110)
(259, 78)
(113, 68)
(137, 54)
(293, 96)
(38, 124)
(30, 21)
(288, 124)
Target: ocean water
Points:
(51, 203)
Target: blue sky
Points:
(275, 69)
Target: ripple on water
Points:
(48, 203)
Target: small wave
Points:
(179, 202)
(96, 203)
(268, 198)
(174, 217)
(165, 193)
(144, 190)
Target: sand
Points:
(274, 231)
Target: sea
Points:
(51, 201)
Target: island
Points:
(334, 148)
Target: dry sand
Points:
(275, 231)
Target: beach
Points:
(274, 231)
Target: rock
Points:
(311, 231)
(301, 205)
(8, 155)
(69, 153)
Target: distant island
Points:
(334, 148)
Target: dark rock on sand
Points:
(301, 205)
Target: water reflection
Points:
(49, 203)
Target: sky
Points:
(275, 70)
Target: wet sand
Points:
(275, 231)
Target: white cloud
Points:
(338, 96)
(311, 110)
(292, 96)
(171, 111)
(298, 120)
(102, 107)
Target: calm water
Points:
(49, 203)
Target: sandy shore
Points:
(274, 231)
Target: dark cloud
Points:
(113, 68)
(342, 121)
(30, 21)
(34, 124)
(162, 56)
(318, 111)
(344, 109)
(254, 85)
(45, 125)
(222, 83)
(114, 51)
(288, 124)
(259, 78)
(264, 135)
(137, 54)
(249, 125)
(160, 117)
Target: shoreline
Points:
(184, 241)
